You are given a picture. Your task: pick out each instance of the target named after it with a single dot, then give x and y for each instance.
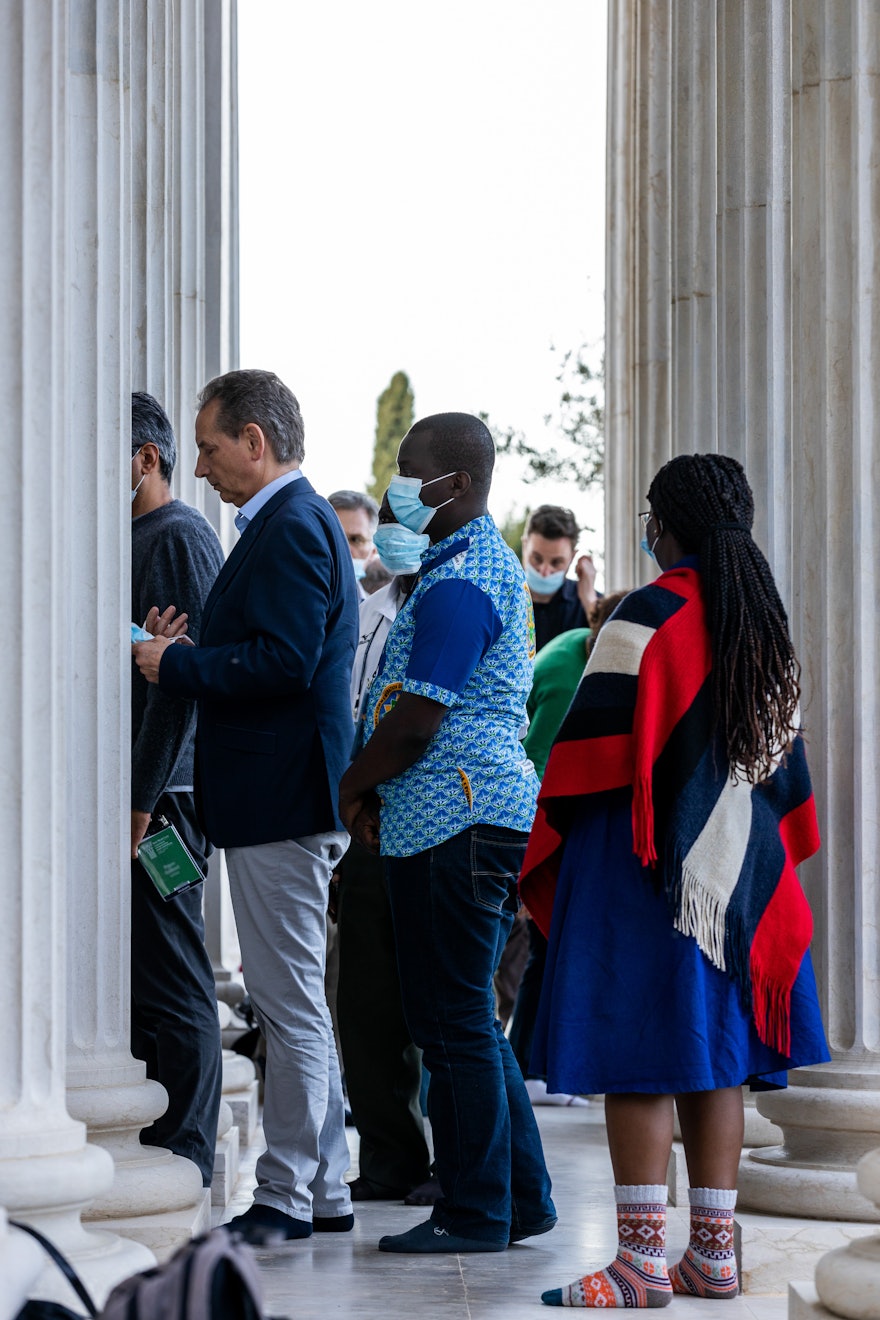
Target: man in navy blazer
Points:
(274, 736)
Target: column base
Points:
(849, 1279)
(677, 1176)
(21, 1263)
(768, 1182)
(148, 1179)
(49, 1192)
(241, 1092)
(830, 1118)
(226, 1159)
(164, 1233)
(759, 1131)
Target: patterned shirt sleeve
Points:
(455, 625)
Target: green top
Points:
(558, 670)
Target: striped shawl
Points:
(727, 849)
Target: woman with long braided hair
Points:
(674, 809)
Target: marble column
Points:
(694, 385)
(186, 217)
(621, 541)
(48, 1174)
(221, 188)
(831, 1115)
(652, 264)
(638, 343)
(754, 158)
(153, 363)
(107, 1088)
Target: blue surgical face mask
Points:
(360, 569)
(544, 586)
(408, 509)
(140, 483)
(399, 549)
(649, 549)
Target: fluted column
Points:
(621, 541)
(653, 274)
(831, 1115)
(187, 219)
(694, 386)
(107, 1088)
(638, 293)
(47, 1172)
(221, 188)
(153, 363)
(754, 157)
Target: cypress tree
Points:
(394, 417)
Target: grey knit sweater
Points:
(175, 557)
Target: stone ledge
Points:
(804, 1304)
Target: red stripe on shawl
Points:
(676, 663)
(582, 765)
(799, 831)
(783, 934)
(537, 886)
(588, 765)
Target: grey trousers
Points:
(279, 895)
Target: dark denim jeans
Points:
(453, 907)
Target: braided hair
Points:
(705, 502)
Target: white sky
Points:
(422, 189)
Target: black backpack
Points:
(213, 1277)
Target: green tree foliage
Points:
(576, 449)
(394, 417)
(513, 528)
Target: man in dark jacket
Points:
(271, 678)
(175, 558)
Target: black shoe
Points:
(426, 1193)
(430, 1239)
(333, 1223)
(361, 1190)
(264, 1226)
(532, 1230)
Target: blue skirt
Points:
(629, 1003)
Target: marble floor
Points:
(343, 1274)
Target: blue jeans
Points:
(452, 908)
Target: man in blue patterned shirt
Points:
(442, 787)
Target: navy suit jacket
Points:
(271, 676)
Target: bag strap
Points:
(63, 1264)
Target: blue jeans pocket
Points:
(496, 861)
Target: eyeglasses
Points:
(645, 517)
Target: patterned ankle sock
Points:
(708, 1267)
(637, 1277)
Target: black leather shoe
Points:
(333, 1223)
(264, 1226)
(532, 1230)
(361, 1190)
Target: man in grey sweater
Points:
(175, 557)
